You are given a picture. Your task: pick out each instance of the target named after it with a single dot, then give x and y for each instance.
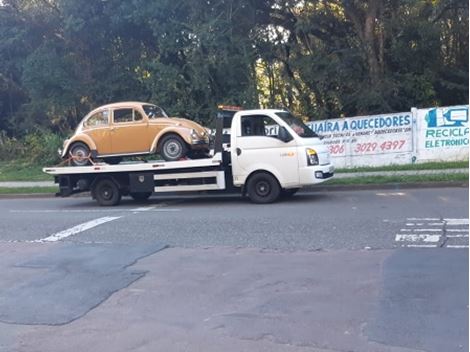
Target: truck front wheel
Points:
(263, 188)
(106, 192)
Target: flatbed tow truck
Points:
(269, 153)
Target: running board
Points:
(219, 183)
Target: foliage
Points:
(321, 59)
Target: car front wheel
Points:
(172, 147)
(80, 154)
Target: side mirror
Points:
(284, 135)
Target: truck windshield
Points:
(154, 111)
(297, 125)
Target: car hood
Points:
(314, 142)
(176, 121)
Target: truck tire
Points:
(106, 192)
(140, 196)
(263, 188)
(172, 147)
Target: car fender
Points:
(79, 138)
(172, 129)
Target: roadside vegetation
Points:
(421, 166)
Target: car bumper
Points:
(311, 175)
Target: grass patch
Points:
(367, 180)
(423, 166)
(29, 190)
(22, 171)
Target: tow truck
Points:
(267, 154)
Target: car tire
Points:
(263, 188)
(80, 154)
(140, 196)
(286, 193)
(172, 147)
(106, 192)
(113, 161)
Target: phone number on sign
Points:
(384, 146)
(368, 147)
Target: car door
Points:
(97, 127)
(129, 132)
(258, 147)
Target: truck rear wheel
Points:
(106, 192)
(263, 188)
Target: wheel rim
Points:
(173, 149)
(106, 192)
(80, 155)
(263, 188)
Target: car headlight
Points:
(312, 157)
(194, 134)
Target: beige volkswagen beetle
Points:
(113, 131)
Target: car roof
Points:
(124, 103)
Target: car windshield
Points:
(154, 111)
(297, 125)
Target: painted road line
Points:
(457, 246)
(144, 208)
(423, 219)
(457, 236)
(77, 229)
(456, 221)
(427, 230)
(457, 230)
(417, 238)
(420, 245)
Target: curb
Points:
(329, 188)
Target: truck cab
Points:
(278, 145)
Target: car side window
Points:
(123, 115)
(138, 116)
(98, 119)
(259, 125)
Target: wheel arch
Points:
(82, 139)
(256, 172)
(165, 132)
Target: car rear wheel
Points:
(263, 188)
(113, 161)
(172, 147)
(80, 154)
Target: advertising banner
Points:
(442, 134)
(368, 140)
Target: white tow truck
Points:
(269, 153)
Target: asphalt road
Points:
(376, 270)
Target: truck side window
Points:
(259, 125)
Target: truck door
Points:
(257, 147)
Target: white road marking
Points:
(457, 230)
(456, 221)
(457, 236)
(405, 230)
(391, 194)
(144, 208)
(427, 230)
(423, 219)
(77, 229)
(420, 245)
(457, 246)
(417, 238)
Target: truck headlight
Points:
(312, 157)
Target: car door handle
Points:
(238, 151)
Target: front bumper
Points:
(311, 175)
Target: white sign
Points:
(368, 140)
(442, 134)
